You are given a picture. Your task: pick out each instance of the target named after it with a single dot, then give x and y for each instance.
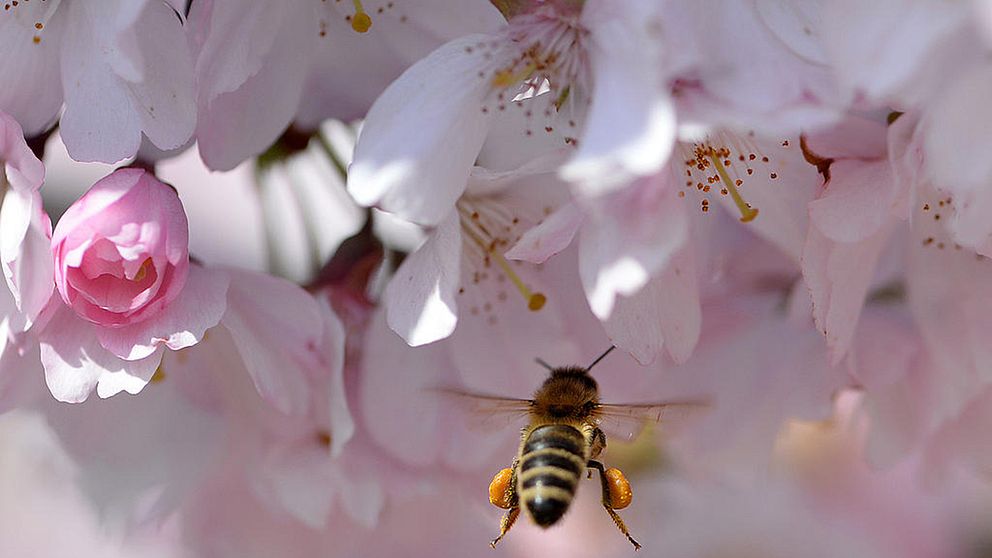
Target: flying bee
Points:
(562, 440)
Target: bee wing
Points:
(486, 411)
(625, 420)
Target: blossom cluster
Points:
(251, 247)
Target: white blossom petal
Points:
(420, 298)
(422, 136)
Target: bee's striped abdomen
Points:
(551, 463)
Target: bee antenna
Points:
(600, 357)
(540, 361)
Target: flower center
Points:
(540, 65)
(489, 229)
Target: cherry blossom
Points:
(774, 209)
(122, 70)
(126, 289)
(538, 65)
(258, 58)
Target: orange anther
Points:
(499, 493)
(620, 493)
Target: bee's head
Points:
(569, 393)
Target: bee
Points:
(562, 440)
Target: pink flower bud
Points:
(122, 250)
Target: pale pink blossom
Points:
(635, 262)
(638, 245)
(461, 265)
(351, 69)
(764, 71)
(25, 229)
(930, 63)
(853, 218)
(429, 126)
(207, 421)
(253, 60)
(753, 65)
(121, 251)
(126, 288)
(122, 69)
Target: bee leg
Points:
(504, 525)
(503, 493)
(616, 494)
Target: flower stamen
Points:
(360, 22)
(476, 231)
(748, 213)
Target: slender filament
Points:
(535, 301)
(748, 213)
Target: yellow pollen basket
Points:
(360, 22)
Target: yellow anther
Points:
(360, 22)
(159, 376)
(142, 271)
(748, 213)
(535, 301)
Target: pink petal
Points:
(342, 425)
(392, 378)
(886, 360)
(839, 275)
(105, 193)
(781, 201)
(24, 171)
(253, 61)
(859, 199)
(398, 38)
(26, 252)
(119, 87)
(796, 23)
(420, 298)
(25, 229)
(951, 304)
(897, 35)
(199, 307)
(139, 469)
(629, 236)
(276, 326)
(854, 137)
(75, 363)
(20, 367)
(551, 236)
(664, 313)
(33, 92)
(630, 129)
(423, 134)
